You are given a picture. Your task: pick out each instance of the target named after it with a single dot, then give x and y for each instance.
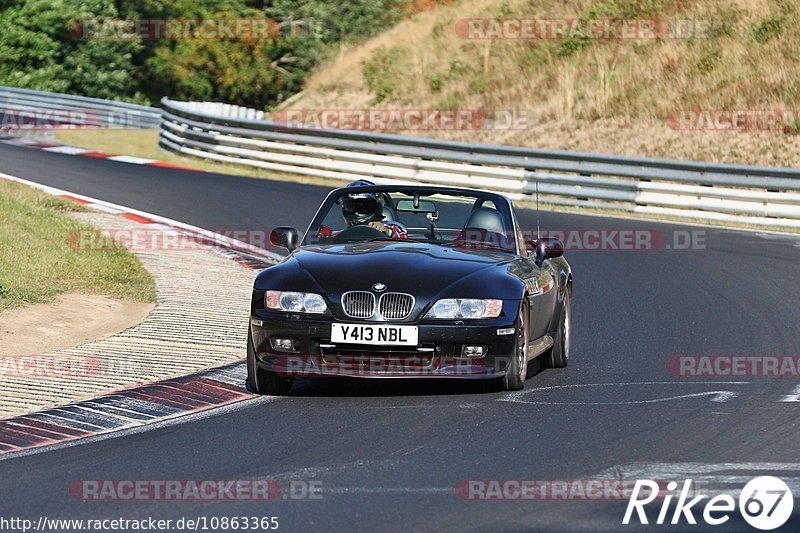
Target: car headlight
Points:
(465, 308)
(295, 302)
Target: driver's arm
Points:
(392, 229)
(380, 226)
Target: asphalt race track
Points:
(388, 454)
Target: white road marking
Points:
(718, 396)
(793, 397)
(24, 141)
(70, 150)
(709, 478)
(168, 230)
(131, 159)
(636, 470)
(101, 207)
(389, 490)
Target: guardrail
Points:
(43, 109)
(684, 189)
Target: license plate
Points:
(375, 334)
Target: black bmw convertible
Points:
(409, 282)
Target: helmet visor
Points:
(361, 209)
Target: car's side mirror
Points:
(548, 248)
(285, 237)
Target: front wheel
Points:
(559, 353)
(263, 381)
(517, 369)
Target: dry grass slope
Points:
(596, 95)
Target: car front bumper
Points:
(437, 355)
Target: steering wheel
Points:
(359, 233)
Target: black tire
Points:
(517, 369)
(559, 353)
(263, 381)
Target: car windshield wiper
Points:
(381, 239)
(478, 245)
(395, 239)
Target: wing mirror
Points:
(548, 248)
(285, 237)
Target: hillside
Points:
(246, 52)
(614, 95)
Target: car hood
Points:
(424, 270)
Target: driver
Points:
(366, 209)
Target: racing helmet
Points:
(362, 208)
(359, 183)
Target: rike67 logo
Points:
(765, 503)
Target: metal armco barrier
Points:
(707, 191)
(25, 109)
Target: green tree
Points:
(38, 50)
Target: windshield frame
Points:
(502, 202)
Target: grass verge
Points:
(37, 262)
(144, 143)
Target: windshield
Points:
(365, 214)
